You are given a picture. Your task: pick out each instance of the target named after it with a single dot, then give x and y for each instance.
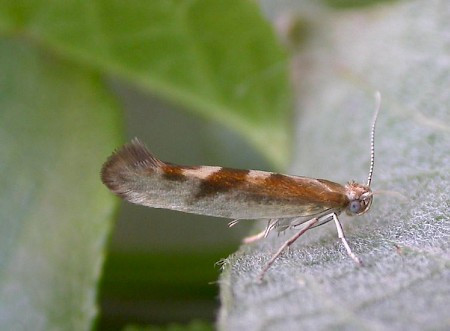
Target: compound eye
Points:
(355, 206)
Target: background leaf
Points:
(400, 49)
(56, 125)
(216, 58)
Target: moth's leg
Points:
(271, 224)
(233, 223)
(256, 237)
(286, 244)
(295, 223)
(341, 236)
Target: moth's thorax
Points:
(360, 197)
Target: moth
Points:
(136, 175)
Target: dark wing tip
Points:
(130, 158)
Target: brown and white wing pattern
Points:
(134, 174)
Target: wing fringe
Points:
(131, 158)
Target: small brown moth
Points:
(135, 175)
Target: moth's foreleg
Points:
(341, 236)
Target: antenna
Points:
(372, 136)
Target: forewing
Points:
(137, 176)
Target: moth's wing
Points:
(137, 176)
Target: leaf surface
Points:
(400, 49)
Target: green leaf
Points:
(217, 58)
(400, 49)
(57, 123)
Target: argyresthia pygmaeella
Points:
(135, 175)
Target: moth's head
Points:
(360, 197)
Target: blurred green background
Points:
(200, 82)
